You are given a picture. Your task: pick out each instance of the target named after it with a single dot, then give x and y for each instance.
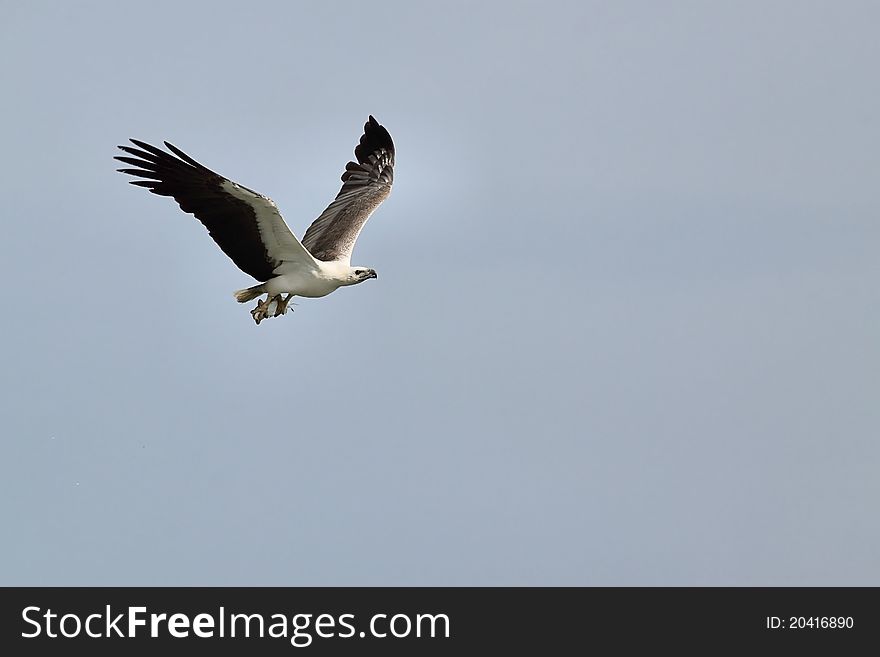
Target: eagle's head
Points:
(360, 274)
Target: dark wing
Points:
(365, 184)
(245, 224)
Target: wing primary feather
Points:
(186, 158)
(141, 173)
(149, 148)
(143, 164)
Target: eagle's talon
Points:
(281, 305)
(261, 311)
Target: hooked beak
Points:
(373, 274)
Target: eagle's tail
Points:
(243, 296)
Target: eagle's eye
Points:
(358, 271)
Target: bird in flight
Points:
(248, 227)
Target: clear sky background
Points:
(625, 330)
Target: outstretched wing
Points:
(245, 224)
(365, 184)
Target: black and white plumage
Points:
(248, 227)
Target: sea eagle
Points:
(248, 227)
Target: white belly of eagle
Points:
(308, 283)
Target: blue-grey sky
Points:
(625, 330)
